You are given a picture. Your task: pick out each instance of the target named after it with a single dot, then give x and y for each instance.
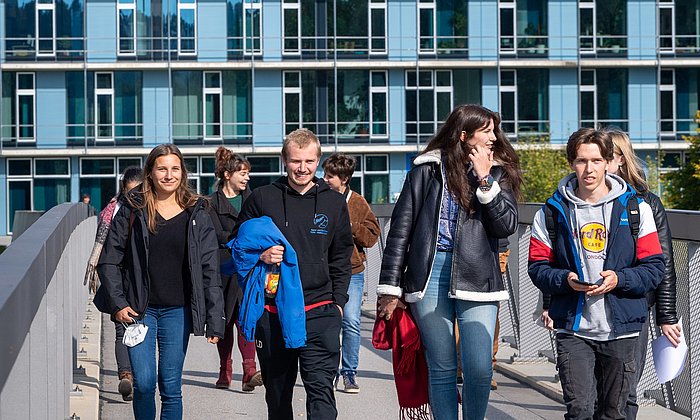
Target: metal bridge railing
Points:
(535, 344)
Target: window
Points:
(523, 26)
(126, 27)
(351, 105)
(378, 104)
(377, 27)
(376, 179)
(25, 113)
(200, 173)
(431, 95)
(99, 179)
(291, 25)
(603, 27)
(603, 98)
(686, 30)
(212, 105)
(252, 26)
(426, 26)
(104, 109)
(292, 101)
(687, 99)
(667, 26)
(525, 102)
(36, 184)
(45, 28)
(264, 170)
(667, 103)
(187, 27)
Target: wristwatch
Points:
(486, 183)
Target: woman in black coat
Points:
(232, 173)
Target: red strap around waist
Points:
(273, 309)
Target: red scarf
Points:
(401, 334)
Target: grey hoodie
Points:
(591, 224)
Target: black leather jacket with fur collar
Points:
(411, 243)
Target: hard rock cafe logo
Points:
(593, 236)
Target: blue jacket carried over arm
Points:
(254, 237)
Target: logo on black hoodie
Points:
(321, 222)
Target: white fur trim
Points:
(433, 156)
(486, 197)
(385, 289)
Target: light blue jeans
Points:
(170, 326)
(435, 316)
(351, 325)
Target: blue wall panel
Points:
(483, 30)
(75, 179)
(489, 89)
(642, 104)
(563, 103)
(402, 32)
(156, 108)
(397, 107)
(641, 28)
(563, 35)
(101, 30)
(267, 108)
(398, 168)
(51, 110)
(211, 30)
(272, 30)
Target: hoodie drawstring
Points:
(284, 205)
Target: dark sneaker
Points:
(126, 387)
(349, 384)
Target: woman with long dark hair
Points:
(232, 176)
(441, 253)
(160, 267)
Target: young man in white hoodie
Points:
(597, 273)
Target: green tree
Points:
(683, 185)
(543, 167)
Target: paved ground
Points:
(377, 399)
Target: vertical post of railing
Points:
(530, 336)
(693, 336)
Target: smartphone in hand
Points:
(585, 283)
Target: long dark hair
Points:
(130, 174)
(185, 196)
(455, 153)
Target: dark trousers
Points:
(120, 350)
(596, 376)
(317, 362)
(641, 356)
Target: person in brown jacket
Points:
(338, 170)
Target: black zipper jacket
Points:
(317, 225)
(412, 239)
(665, 294)
(123, 268)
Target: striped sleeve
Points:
(648, 240)
(540, 244)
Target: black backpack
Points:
(551, 221)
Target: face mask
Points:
(134, 333)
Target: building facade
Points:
(90, 86)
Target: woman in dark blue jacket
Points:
(160, 267)
(441, 253)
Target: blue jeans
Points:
(435, 316)
(170, 326)
(351, 325)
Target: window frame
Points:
(41, 5)
(509, 89)
(378, 89)
(589, 4)
(249, 8)
(435, 90)
(668, 135)
(216, 91)
(126, 5)
(17, 179)
(294, 5)
(27, 93)
(104, 92)
(432, 6)
(292, 90)
(504, 5)
(373, 6)
(186, 5)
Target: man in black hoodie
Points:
(315, 221)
